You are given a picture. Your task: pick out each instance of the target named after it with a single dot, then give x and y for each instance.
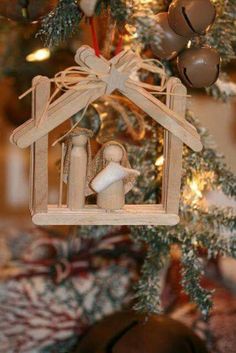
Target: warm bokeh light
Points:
(194, 192)
(194, 186)
(189, 44)
(159, 161)
(39, 55)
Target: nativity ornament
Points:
(108, 175)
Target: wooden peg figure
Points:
(77, 167)
(113, 176)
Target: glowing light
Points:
(131, 31)
(189, 44)
(159, 161)
(195, 188)
(39, 55)
(103, 115)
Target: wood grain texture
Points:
(60, 198)
(90, 215)
(110, 77)
(70, 103)
(113, 197)
(171, 116)
(181, 129)
(40, 149)
(173, 150)
(77, 173)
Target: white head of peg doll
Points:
(113, 153)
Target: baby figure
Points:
(114, 176)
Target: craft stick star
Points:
(115, 79)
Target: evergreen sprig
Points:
(60, 23)
(148, 289)
(222, 35)
(192, 271)
(198, 228)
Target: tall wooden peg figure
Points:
(77, 167)
(113, 176)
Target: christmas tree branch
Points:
(61, 23)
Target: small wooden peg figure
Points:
(113, 176)
(77, 167)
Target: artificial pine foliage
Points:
(199, 227)
(61, 22)
(223, 33)
(121, 10)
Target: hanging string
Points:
(94, 37)
(119, 44)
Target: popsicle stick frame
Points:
(101, 77)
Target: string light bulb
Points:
(160, 161)
(39, 55)
(195, 188)
(189, 44)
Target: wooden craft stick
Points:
(118, 57)
(169, 86)
(40, 179)
(151, 105)
(20, 130)
(85, 54)
(32, 160)
(65, 99)
(29, 124)
(75, 102)
(162, 115)
(91, 214)
(61, 175)
(173, 149)
(129, 59)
